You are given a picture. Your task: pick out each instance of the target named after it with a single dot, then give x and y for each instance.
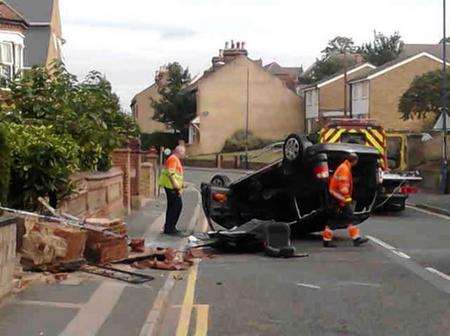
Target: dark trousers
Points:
(174, 206)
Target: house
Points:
(142, 109)
(238, 93)
(43, 39)
(376, 94)
(289, 75)
(13, 27)
(325, 99)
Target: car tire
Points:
(221, 181)
(294, 147)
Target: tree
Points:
(339, 45)
(176, 107)
(423, 98)
(326, 67)
(382, 49)
(338, 54)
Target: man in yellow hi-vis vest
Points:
(171, 179)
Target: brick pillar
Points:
(7, 254)
(136, 161)
(121, 158)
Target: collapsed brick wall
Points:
(7, 254)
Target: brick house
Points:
(377, 93)
(325, 99)
(289, 75)
(142, 109)
(236, 89)
(43, 39)
(13, 26)
(231, 87)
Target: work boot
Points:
(330, 244)
(359, 241)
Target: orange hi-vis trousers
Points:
(353, 232)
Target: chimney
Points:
(236, 50)
(232, 44)
(243, 45)
(238, 45)
(226, 45)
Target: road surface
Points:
(398, 284)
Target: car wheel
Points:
(221, 181)
(293, 148)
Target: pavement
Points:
(397, 284)
(432, 201)
(91, 305)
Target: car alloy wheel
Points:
(292, 149)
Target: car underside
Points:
(295, 189)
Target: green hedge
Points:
(5, 165)
(158, 140)
(237, 142)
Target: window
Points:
(194, 134)
(308, 98)
(6, 60)
(18, 59)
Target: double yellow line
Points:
(201, 325)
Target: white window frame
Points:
(7, 63)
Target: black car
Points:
(295, 188)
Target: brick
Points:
(101, 248)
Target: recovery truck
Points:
(397, 184)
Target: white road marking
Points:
(389, 247)
(367, 284)
(94, 313)
(428, 212)
(401, 254)
(435, 271)
(308, 285)
(50, 304)
(381, 243)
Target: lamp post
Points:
(444, 163)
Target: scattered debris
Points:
(172, 260)
(137, 245)
(178, 277)
(117, 274)
(255, 235)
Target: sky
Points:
(129, 40)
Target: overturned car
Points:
(295, 189)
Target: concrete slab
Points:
(60, 293)
(130, 312)
(18, 320)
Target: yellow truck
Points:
(397, 183)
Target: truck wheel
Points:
(293, 147)
(221, 181)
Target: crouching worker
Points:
(341, 189)
(171, 179)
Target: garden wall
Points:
(7, 254)
(98, 194)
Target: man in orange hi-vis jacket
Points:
(341, 189)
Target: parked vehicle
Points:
(397, 184)
(295, 188)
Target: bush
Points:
(237, 142)
(5, 164)
(42, 162)
(88, 111)
(158, 140)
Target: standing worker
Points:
(341, 188)
(171, 180)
